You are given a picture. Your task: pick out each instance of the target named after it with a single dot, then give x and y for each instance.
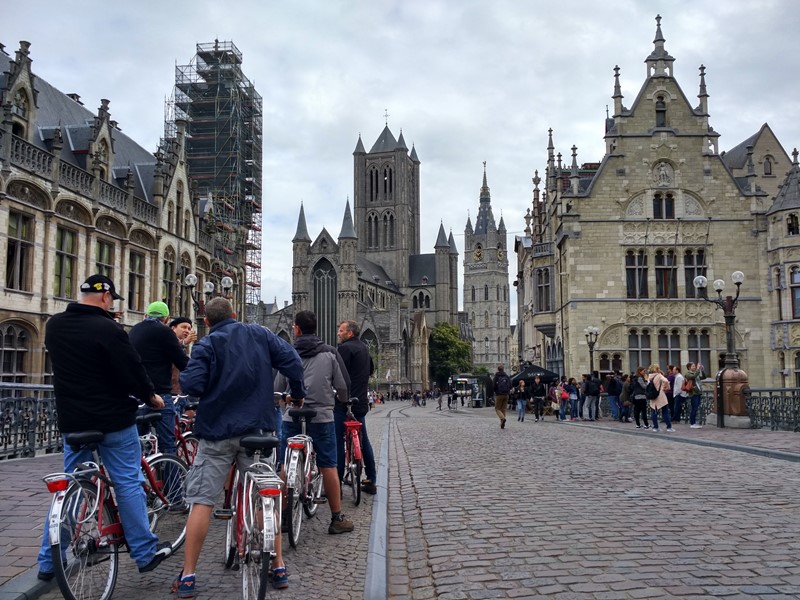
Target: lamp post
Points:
(591, 333)
(226, 283)
(190, 283)
(731, 380)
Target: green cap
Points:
(158, 309)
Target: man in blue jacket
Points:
(231, 372)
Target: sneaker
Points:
(655, 429)
(279, 578)
(638, 427)
(185, 588)
(695, 426)
(163, 550)
(368, 487)
(340, 525)
(502, 423)
(670, 430)
(179, 508)
(45, 576)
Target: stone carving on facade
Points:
(73, 212)
(692, 207)
(110, 227)
(794, 335)
(635, 208)
(698, 311)
(611, 337)
(633, 233)
(694, 232)
(663, 174)
(143, 239)
(792, 253)
(28, 194)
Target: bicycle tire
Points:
(255, 574)
(314, 489)
(349, 473)
(233, 523)
(167, 509)
(355, 472)
(294, 511)
(88, 570)
(187, 450)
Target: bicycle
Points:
(185, 441)
(353, 459)
(303, 478)
(252, 507)
(85, 529)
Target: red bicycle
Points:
(353, 459)
(185, 442)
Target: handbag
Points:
(555, 406)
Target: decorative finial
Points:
(386, 116)
(794, 156)
(703, 91)
(617, 88)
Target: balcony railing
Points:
(31, 158)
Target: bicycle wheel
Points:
(84, 562)
(349, 479)
(355, 474)
(255, 574)
(232, 525)
(294, 510)
(310, 505)
(187, 449)
(167, 509)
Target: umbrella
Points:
(530, 371)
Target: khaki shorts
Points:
(211, 466)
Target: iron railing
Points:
(28, 421)
(778, 409)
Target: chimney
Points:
(75, 97)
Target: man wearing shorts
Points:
(231, 373)
(325, 380)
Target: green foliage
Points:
(448, 354)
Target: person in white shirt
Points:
(678, 394)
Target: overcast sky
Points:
(466, 82)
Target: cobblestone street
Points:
(574, 510)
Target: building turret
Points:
(301, 244)
(348, 277)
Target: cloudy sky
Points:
(466, 81)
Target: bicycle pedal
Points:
(321, 500)
(223, 514)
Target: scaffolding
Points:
(224, 153)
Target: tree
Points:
(447, 353)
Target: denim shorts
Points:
(211, 466)
(324, 436)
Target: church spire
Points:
(301, 235)
(347, 232)
(485, 219)
(659, 63)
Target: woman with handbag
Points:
(660, 402)
(638, 387)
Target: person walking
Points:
(639, 398)
(359, 366)
(502, 387)
(538, 394)
(160, 350)
(694, 373)
(659, 403)
(231, 372)
(96, 370)
(678, 393)
(625, 400)
(522, 399)
(325, 377)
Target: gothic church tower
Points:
(486, 295)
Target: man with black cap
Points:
(95, 372)
(160, 350)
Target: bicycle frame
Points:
(353, 434)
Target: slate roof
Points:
(385, 142)
(788, 197)
(736, 157)
(419, 266)
(374, 274)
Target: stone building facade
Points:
(78, 196)
(617, 244)
(373, 271)
(486, 293)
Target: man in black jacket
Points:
(95, 371)
(360, 367)
(160, 350)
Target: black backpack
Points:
(593, 387)
(651, 391)
(503, 384)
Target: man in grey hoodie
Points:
(326, 380)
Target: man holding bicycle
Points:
(360, 367)
(231, 373)
(95, 372)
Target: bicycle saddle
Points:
(259, 442)
(148, 419)
(80, 439)
(302, 413)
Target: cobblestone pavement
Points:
(323, 566)
(587, 510)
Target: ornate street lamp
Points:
(591, 333)
(226, 283)
(731, 380)
(190, 282)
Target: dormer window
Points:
(661, 112)
(792, 225)
(19, 112)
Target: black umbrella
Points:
(530, 371)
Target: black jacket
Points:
(360, 367)
(95, 370)
(159, 348)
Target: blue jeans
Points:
(339, 417)
(678, 404)
(121, 453)
(574, 408)
(562, 409)
(665, 414)
(695, 407)
(590, 403)
(521, 402)
(613, 402)
(165, 428)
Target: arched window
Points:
(485, 292)
(66, 263)
(391, 231)
(669, 348)
(663, 206)
(661, 112)
(414, 302)
(427, 301)
(543, 290)
(498, 291)
(797, 369)
(325, 292)
(768, 166)
(694, 264)
(14, 353)
(168, 278)
(666, 274)
(19, 112)
(19, 252)
(794, 284)
(385, 232)
(792, 225)
(698, 342)
(473, 293)
(170, 217)
(486, 345)
(639, 353)
(486, 319)
(372, 179)
(636, 274)
(778, 293)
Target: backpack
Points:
(687, 385)
(503, 384)
(651, 391)
(593, 387)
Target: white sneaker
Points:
(695, 426)
(670, 430)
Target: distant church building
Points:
(617, 244)
(486, 295)
(373, 271)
